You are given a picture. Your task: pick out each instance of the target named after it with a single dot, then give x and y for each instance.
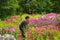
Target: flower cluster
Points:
(50, 15)
(43, 28)
(8, 30)
(43, 21)
(43, 33)
(11, 19)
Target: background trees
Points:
(11, 7)
(39, 6)
(7, 8)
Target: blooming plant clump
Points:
(50, 15)
(44, 28)
(7, 30)
(43, 21)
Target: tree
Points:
(39, 6)
(7, 7)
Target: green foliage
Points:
(13, 7)
(39, 6)
(7, 8)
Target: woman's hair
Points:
(27, 17)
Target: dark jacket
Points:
(22, 25)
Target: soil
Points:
(19, 36)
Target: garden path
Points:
(19, 36)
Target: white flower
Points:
(9, 36)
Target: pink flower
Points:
(12, 30)
(48, 36)
(0, 28)
(6, 29)
(48, 31)
(32, 39)
(14, 17)
(50, 15)
(44, 27)
(9, 20)
(28, 34)
(41, 33)
(52, 32)
(37, 29)
(35, 25)
(51, 26)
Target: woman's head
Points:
(27, 18)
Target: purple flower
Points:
(45, 20)
(35, 20)
(56, 22)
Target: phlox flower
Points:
(50, 15)
(12, 30)
(6, 29)
(56, 22)
(51, 26)
(37, 29)
(41, 33)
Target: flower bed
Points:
(43, 33)
(39, 27)
(10, 26)
(45, 28)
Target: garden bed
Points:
(45, 27)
